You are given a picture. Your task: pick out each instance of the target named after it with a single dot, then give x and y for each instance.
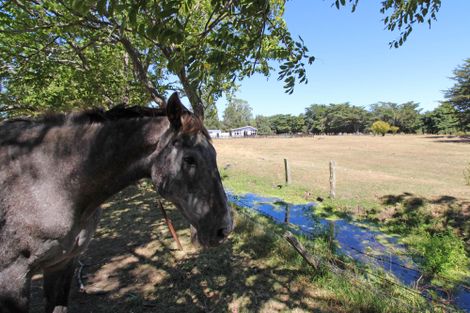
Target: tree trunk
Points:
(193, 96)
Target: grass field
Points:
(406, 184)
(368, 167)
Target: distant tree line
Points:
(450, 117)
(345, 118)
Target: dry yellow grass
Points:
(133, 266)
(367, 166)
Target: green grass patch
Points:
(435, 241)
(349, 289)
(240, 182)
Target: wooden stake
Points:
(310, 259)
(332, 179)
(286, 218)
(331, 235)
(170, 225)
(287, 171)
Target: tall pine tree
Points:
(459, 95)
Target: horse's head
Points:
(185, 173)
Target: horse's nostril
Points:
(222, 233)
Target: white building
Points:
(244, 131)
(215, 133)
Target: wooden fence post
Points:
(331, 235)
(309, 258)
(287, 171)
(286, 219)
(332, 179)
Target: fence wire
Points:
(312, 234)
(359, 279)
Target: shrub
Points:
(394, 129)
(441, 252)
(380, 127)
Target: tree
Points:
(205, 44)
(238, 113)
(409, 117)
(385, 111)
(281, 123)
(344, 118)
(442, 120)
(315, 116)
(263, 125)
(336, 118)
(297, 124)
(459, 94)
(405, 116)
(380, 127)
(211, 119)
(40, 71)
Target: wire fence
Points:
(369, 255)
(433, 302)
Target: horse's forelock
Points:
(191, 124)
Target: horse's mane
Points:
(91, 116)
(190, 122)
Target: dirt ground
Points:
(368, 167)
(132, 265)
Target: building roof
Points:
(244, 127)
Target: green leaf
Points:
(133, 14)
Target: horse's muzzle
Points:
(213, 241)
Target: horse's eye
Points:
(190, 160)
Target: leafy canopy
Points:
(62, 54)
(206, 45)
(442, 120)
(238, 113)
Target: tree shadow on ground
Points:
(450, 139)
(132, 265)
(406, 210)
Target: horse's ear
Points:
(174, 110)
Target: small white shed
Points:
(245, 131)
(215, 133)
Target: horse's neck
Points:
(116, 155)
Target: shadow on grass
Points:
(132, 266)
(407, 210)
(450, 139)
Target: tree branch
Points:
(79, 52)
(140, 71)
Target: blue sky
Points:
(354, 62)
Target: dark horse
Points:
(56, 171)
